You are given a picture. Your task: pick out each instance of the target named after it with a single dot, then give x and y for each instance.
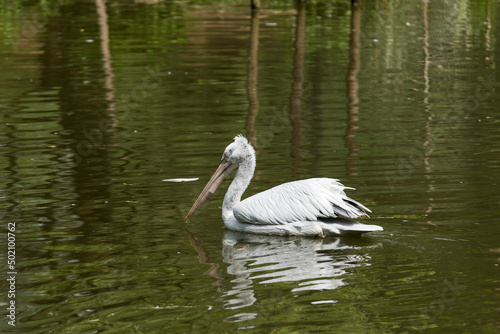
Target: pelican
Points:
(310, 207)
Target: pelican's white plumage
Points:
(304, 200)
(306, 207)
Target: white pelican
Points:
(303, 208)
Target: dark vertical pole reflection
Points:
(253, 99)
(255, 5)
(298, 82)
(106, 53)
(85, 102)
(353, 86)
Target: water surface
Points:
(102, 101)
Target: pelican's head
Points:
(239, 153)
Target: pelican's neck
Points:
(240, 183)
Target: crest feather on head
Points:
(241, 141)
(241, 138)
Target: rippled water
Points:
(102, 101)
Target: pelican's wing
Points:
(305, 200)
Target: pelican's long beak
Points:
(225, 168)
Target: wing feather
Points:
(304, 200)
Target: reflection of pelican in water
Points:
(305, 207)
(255, 262)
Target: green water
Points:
(100, 102)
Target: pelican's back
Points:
(304, 200)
